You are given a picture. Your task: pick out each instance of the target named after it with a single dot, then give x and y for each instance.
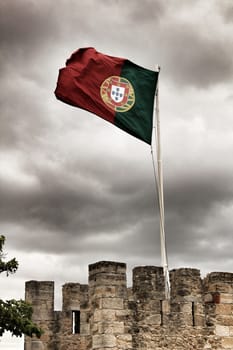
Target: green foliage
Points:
(15, 315)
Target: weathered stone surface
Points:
(85, 329)
(104, 315)
(153, 320)
(111, 327)
(222, 331)
(227, 343)
(224, 309)
(124, 342)
(226, 298)
(112, 303)
(37, 345)
(225, 320)
(198, 316)
(105, 291)
(104, 341)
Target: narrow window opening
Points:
(161, 312)
(193, 313)
(76, 322)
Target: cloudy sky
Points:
(74, 189)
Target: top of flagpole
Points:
(157, 68)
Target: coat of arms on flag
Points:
(117, 93)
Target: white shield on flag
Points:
(117, 93)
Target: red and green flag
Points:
(113, 88)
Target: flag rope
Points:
(159, 184)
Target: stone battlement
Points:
(105, 314)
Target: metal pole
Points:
(159, 182)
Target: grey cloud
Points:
(150, 11)
(188, 57)
(24, 28)
(23, 22)
(225, 8)
(102, 198)
(23, 116)
(65, 202)
(204, 190)
(80, 205)
(194, 60)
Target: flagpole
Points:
(159, 184)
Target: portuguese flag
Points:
(113, 88)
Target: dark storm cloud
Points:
(25, 28)
(101, 202)
(75, 202)
(79, 202)
(189, 56)
(32, 32)
(23, 116)
(190, 49)
(225, 8)
(194, 59)
(26, 22)
(200, 191)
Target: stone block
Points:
(222, 331)
(153, 319)
(199, 320)
(107, 267)
(83, 317)
(95, 328)
(187, 319)
(105, 291)
(227, 343)
(85, 328)
(103, 341)
(125, 337)
(220, 287)
(186, 308)
(118, 327)
(112, 303)
(97, 341)
(124, 341)
(225, 320)
(224, 309)
(108, 280)
(37, 345)
(208, 298)
(111, 327)
(198, 308)
(104, 315)
(121, 314)
(226, 298)
(166, 306)
(97, 315)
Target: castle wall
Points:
(74, 302)
(108, 302)
(41, 296)
(218, 297)
(149, 294)
(105, 314)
